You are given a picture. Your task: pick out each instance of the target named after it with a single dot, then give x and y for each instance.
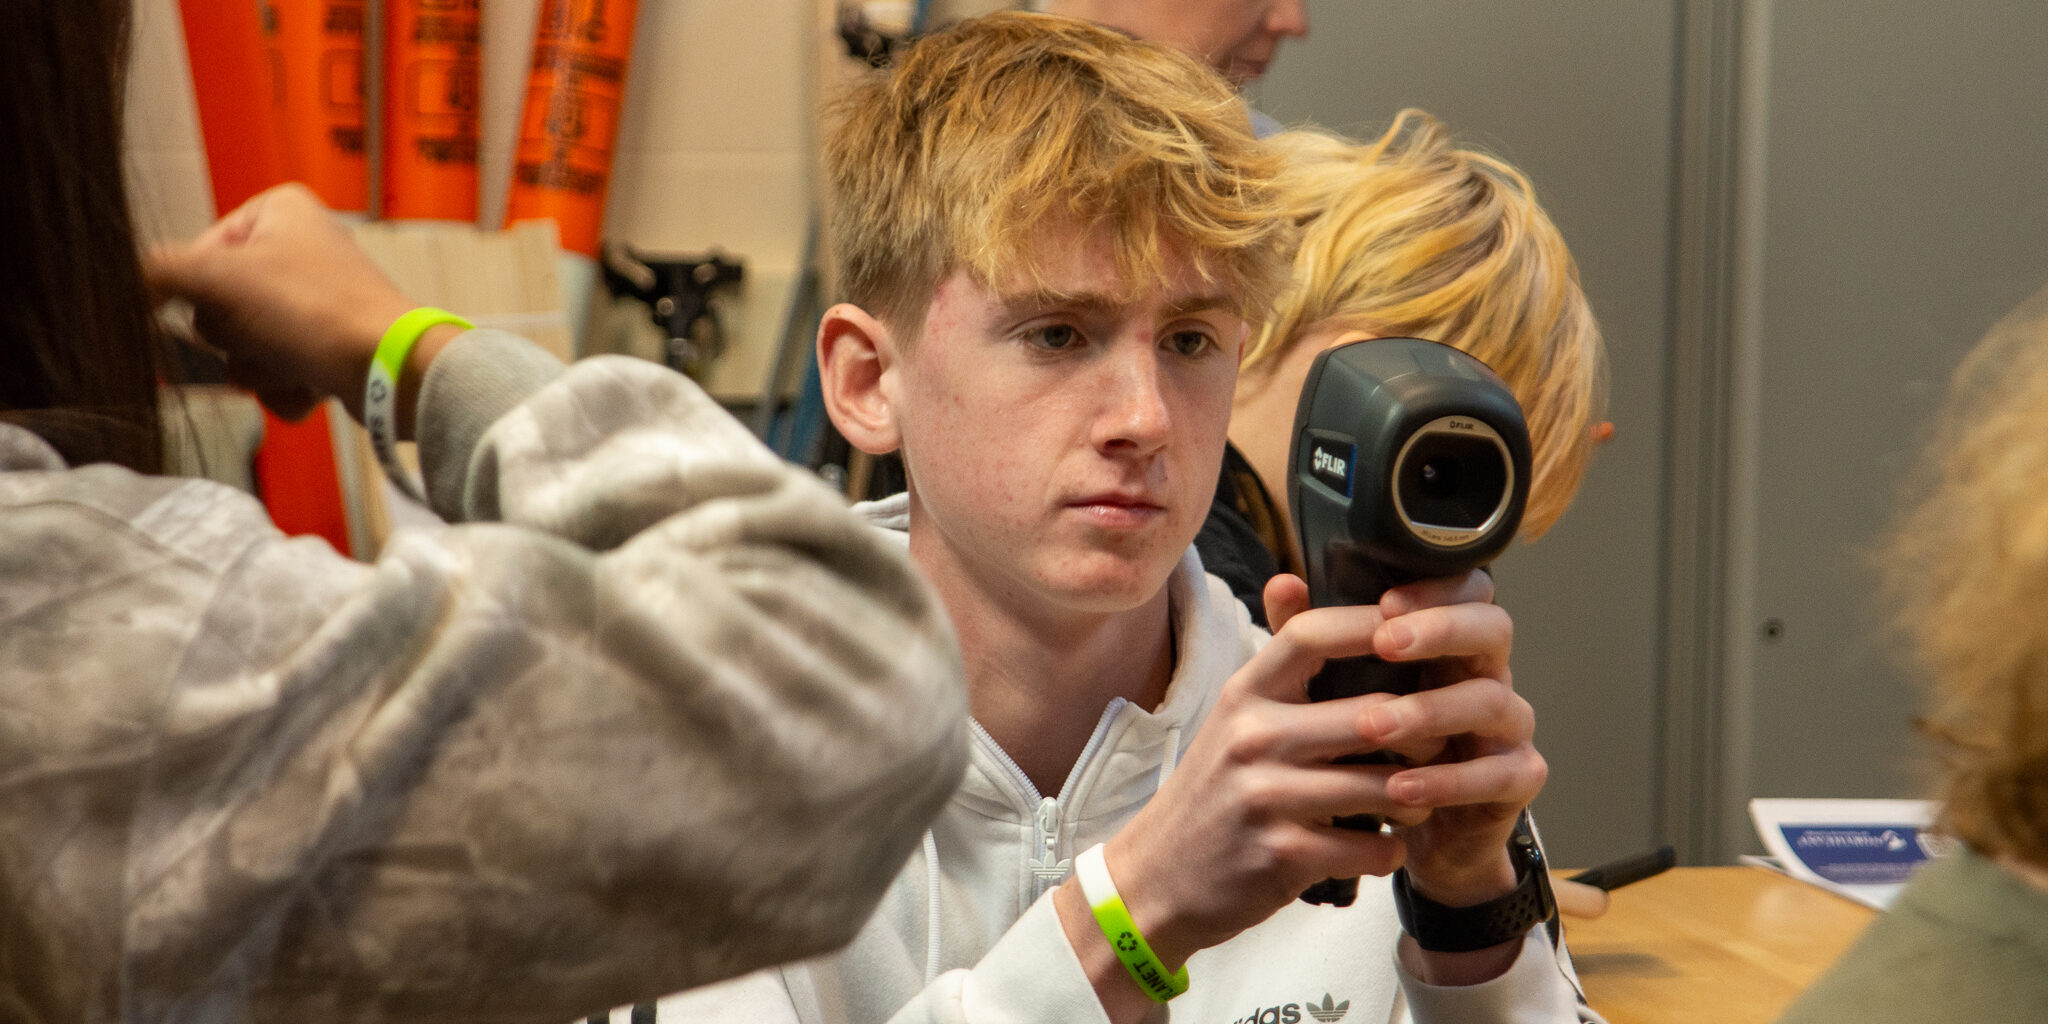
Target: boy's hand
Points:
(1242, 826)
(1469, 737)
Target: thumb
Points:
(191, 270)
(1286, 596)
(173, 270)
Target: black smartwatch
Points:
(1441, 929)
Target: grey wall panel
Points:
(1579, 96)
(1905, 210)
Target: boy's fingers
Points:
(1472, 587)
(1281, 669)
(1486, 708)
(1483, 633)
(1510, 778)
(1344, 853)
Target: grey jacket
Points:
(660, 712)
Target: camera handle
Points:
(1349, 677)
(1349, 576)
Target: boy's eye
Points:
(1053, 337)
(1190, 343)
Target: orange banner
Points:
(233, 82)
(318, 49)
(239, 70)
(431, 98)
(563, 163)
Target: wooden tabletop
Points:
(1720, 945)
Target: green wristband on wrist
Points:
(1122, 932)
(380, 394)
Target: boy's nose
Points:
(1134, 417)
(1288, 18)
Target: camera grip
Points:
(1349, 677)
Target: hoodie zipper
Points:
(1047, 868)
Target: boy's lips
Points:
(1118, 509)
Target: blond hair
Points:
(991, 132)
(1966, 567)
(1411, 237)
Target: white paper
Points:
(1862, 849)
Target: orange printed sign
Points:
(232, 82)
(317, 47)
(570, 123)
(431, 99)
(238, 75)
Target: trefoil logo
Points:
(1329, 1013)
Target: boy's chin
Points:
(1107, 589)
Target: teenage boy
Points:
(1052, 235)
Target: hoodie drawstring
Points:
(1171, 758)
(933, 938)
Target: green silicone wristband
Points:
(406, 331)
(380, 392)
(1122, 932)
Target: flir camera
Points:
(1410, 461)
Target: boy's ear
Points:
(856, 367)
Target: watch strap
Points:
(1439, 928)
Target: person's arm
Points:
(664, 713)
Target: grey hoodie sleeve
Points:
(660, 713)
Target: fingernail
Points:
(1405, 790)
(1399, 636)
(1383, 720)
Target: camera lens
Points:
(1452, 481)
(1440, 478)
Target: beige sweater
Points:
(660, 712)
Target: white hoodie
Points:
(968, 933)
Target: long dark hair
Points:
(80, 353)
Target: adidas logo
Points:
(1328, 1013)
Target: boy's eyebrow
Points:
(1100, 302)
(1200, 304)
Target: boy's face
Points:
(1239, 37)
(1062, 448)
(1236, 37)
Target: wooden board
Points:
(1710, 946)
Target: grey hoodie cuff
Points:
(482, 375)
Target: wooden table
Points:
(1720, 945)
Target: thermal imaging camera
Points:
(1410, 461)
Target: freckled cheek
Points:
(981, 470)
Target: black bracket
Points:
(864, 42)
(678, 292)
